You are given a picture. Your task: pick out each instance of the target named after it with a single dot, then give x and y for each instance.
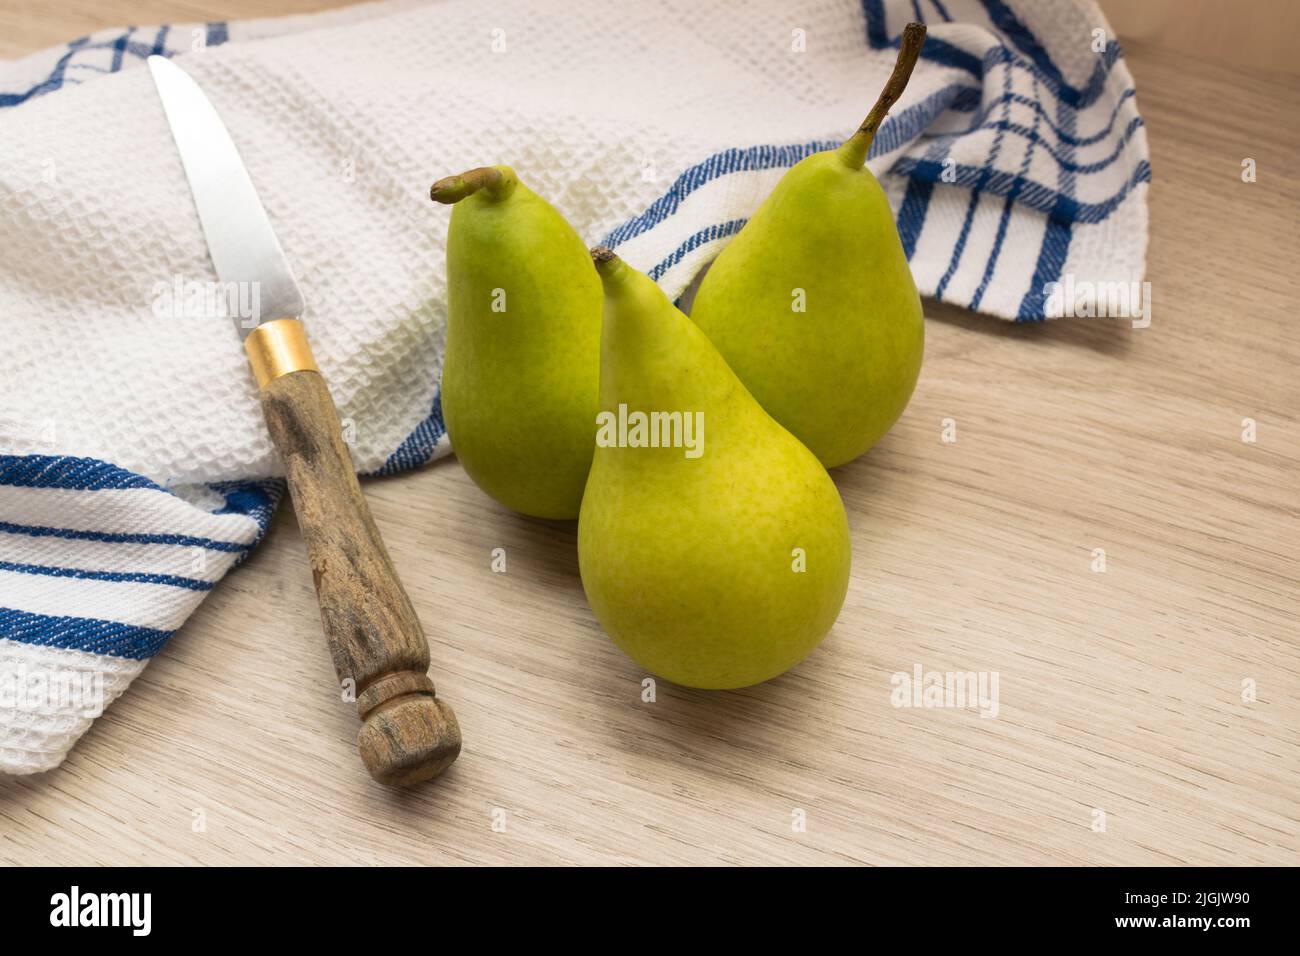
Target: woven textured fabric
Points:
(49, 699)
(135, 469)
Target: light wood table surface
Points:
(1120, 693)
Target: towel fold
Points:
(135, 469)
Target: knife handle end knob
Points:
(407, 734)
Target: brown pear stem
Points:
(856, 147)
(455, 188)
(606, 261)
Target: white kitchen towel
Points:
(135, 469)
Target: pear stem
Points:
(607, 263)
(455, 188)
(856, 147)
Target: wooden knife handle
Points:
(407, 733)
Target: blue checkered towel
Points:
(135, 470)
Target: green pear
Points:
(713, 546)
(813, 304)
(520, 372)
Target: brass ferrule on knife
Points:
(277, 348)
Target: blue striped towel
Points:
(134, 466)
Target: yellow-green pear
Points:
(713, 546)
(813, 305)
(519, 376)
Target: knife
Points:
(407, 733)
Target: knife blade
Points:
(407, 732)
(241, 242)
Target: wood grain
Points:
(1121, 693)
(29, 25)
(378, 647)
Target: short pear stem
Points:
(856, 147)
(497, 180)
(608, 265)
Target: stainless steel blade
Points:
(240, 239)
